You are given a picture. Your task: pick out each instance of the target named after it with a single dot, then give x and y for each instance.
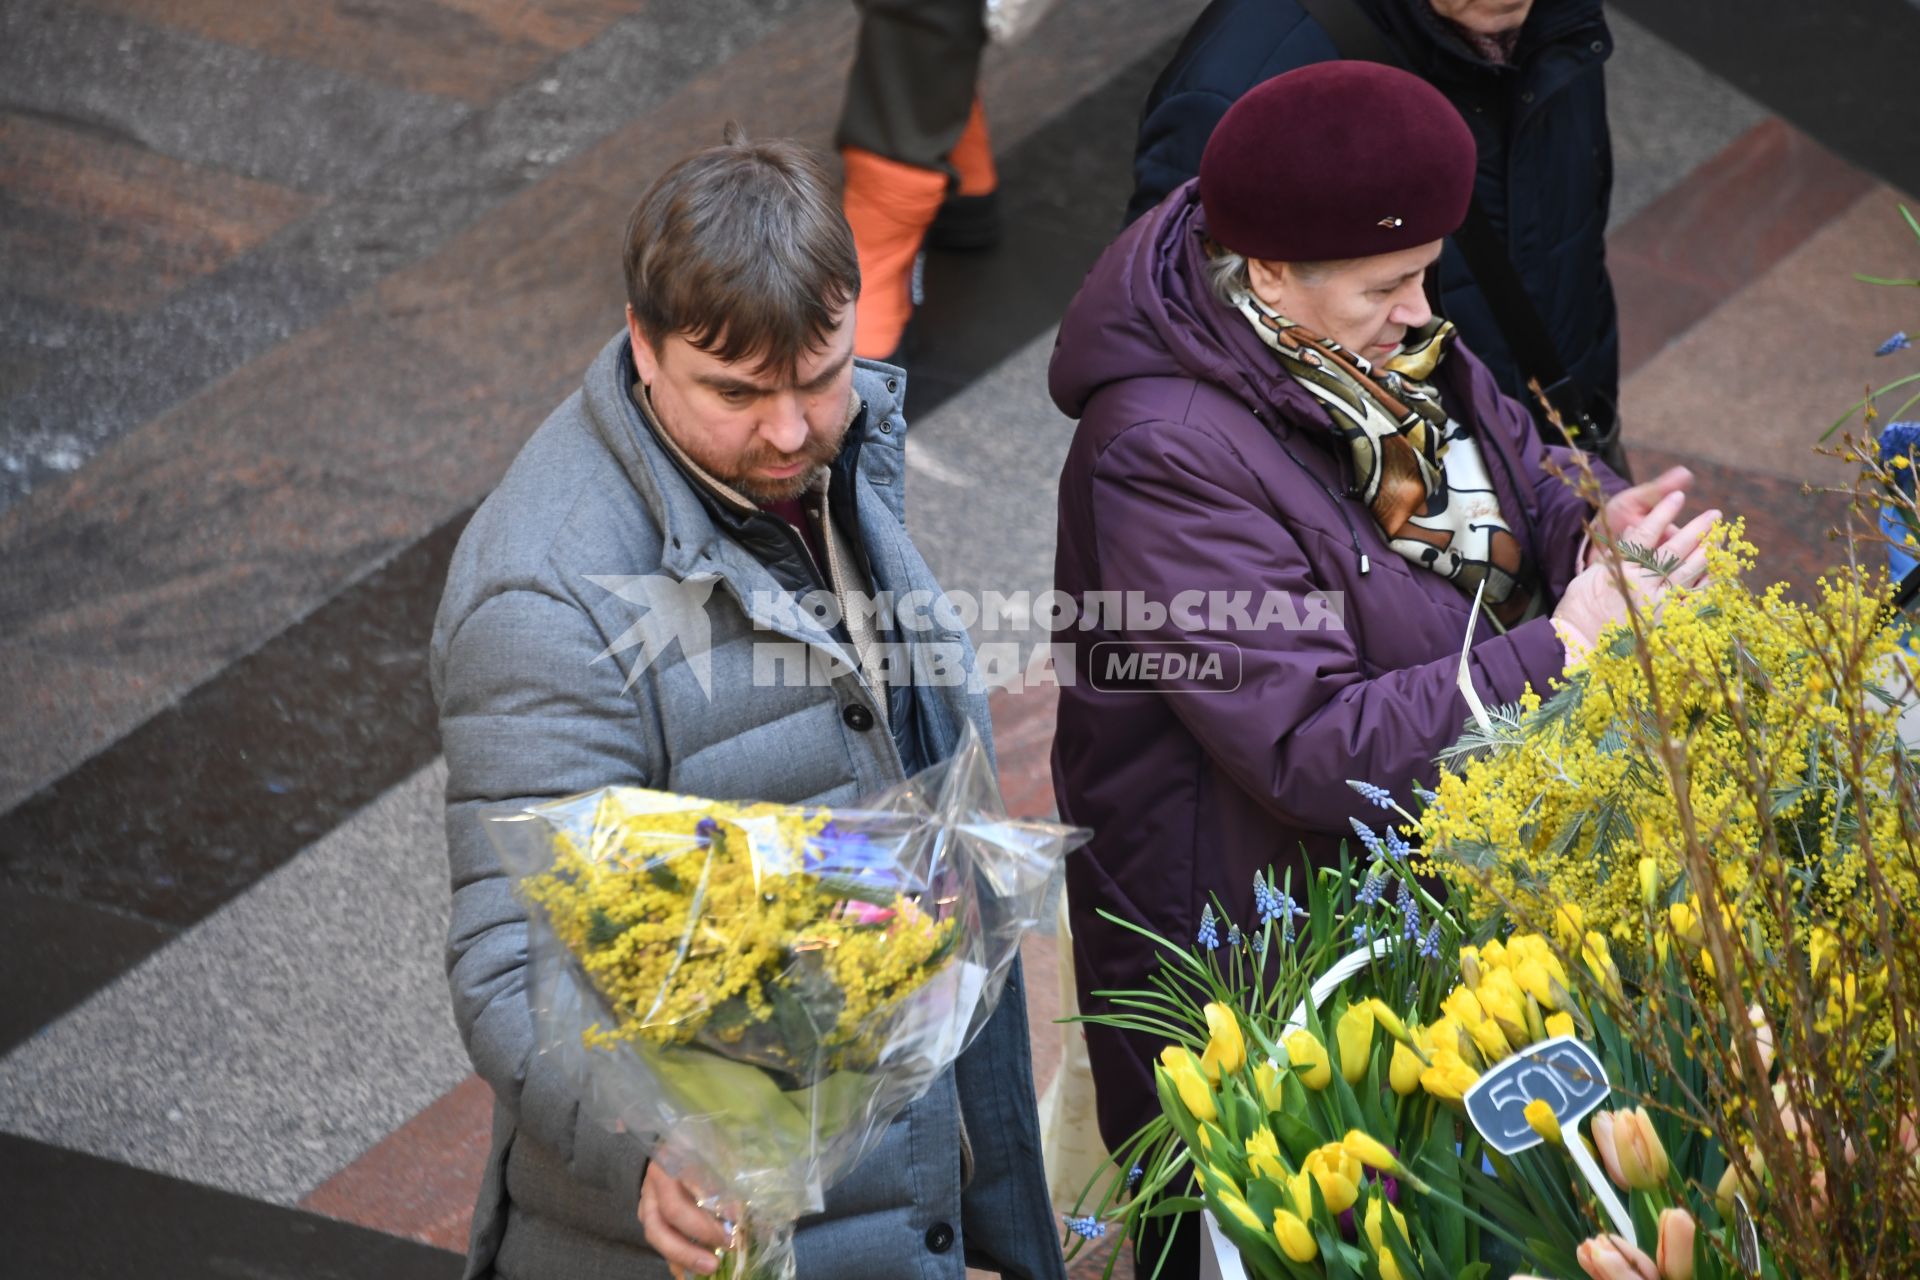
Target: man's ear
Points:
(645, 361)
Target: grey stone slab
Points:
(1668, 114)
(208, 103)
(983, 473)
(102, 377)
(275, 1043)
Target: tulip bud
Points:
(1674, 1256)
(1374, 1224)
(1649, 882)
(1540, 1116)
(1226, 1048)
(1643, 1161)
(1309, 1059)
(1190, 1082)
(1559, 1024)
(1337, 1174)
(1403, 1072)
(1389, 1020)
(1470, 971)
(1612, 1257)
(1370, 1151)
(1354, 1033)
(1569, 922)
(1266, 1078)
(1263, 1155)
(1602, 1125)
(1686, 923)
(1295, 1240)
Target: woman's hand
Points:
(1594, 600)
(1627, 508)
(687, 1236)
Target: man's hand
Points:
(1627, 508)
(683, 1233)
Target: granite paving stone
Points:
(466, 49)
(404, 206)
(1752, 386)
(279, 1040)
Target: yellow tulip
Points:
(1462, 1006)
(1403, 1072)
(1235, 1204)
(1354, 1032)
(1449, 1078)
(1500, 996)
(1263, 1155)
(1226, 1048)
(1493, 955)
(1374, 1223)
(1559, 1024)
(1490, 1040)
(1532, 978)
(1300, 1191)
(1309, 1059)
(1369, 1151)
(1266, 1079)
(1389, 1020)
(1686, 923)
(1540, 1116)
(1649, 882)
(1470, 965)
(1569, 922)
(1190, 1082)
(1337, 1174)
(1295, 1240)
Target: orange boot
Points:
(889, 205)
(970, 217)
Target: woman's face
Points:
(1484, 17)
(1364, 304)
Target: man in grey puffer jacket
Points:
(725, 459)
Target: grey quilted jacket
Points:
(526, 712)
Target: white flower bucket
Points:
(1219, 1260)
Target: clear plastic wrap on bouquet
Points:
(757, 990)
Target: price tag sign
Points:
(1562, 1072)
(1567, 1076)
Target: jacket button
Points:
(859, 719)
(1599, 46)
(939, 1237)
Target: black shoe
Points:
(966, 222)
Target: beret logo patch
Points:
(1391, 224)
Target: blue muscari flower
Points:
(1898, 342)
(1087, 1228)
(1425, 796)
(1367, 838)
(1409, 908)
(1361, 934)
(1233, 936)
(1397, 847)
(1260, 940)
(1134, 1175)
(705, 828)
(1430, 945)
(1370, 891)
(1265, 900)
(1378, 796)
(1209, 936)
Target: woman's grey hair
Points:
(1227, 272)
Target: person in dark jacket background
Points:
(1284, 461)
(1527, 77)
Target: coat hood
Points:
(1145, 310)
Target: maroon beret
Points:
(1337, 160)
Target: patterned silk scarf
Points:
(1420, 472)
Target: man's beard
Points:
(816, 453)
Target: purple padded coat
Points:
(1199, 465)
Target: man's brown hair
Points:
(742, 250)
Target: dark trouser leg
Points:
(913, 78)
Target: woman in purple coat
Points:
(1288, 483)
